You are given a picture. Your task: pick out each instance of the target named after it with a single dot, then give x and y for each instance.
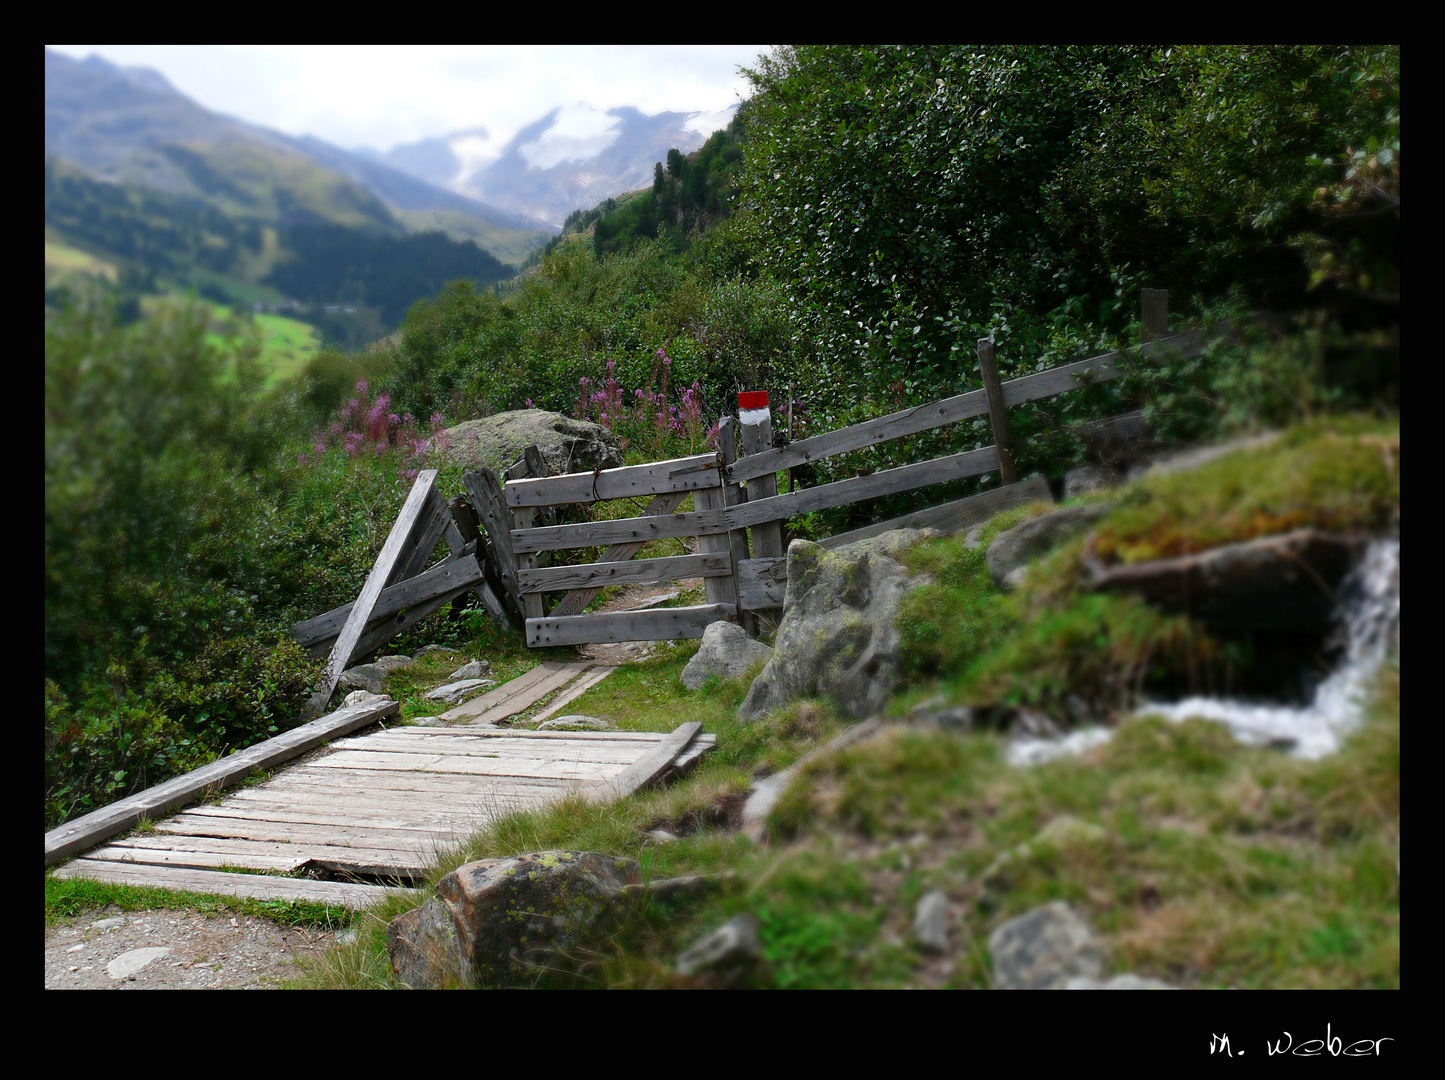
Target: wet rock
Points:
(732, 954)
(507, 922)
(838, 636)
(1013, 549)
(1045, 948)
(726, 652)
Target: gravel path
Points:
(175, 949)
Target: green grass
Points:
(65, 899)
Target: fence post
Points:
(727, 433)
(1153, 314)
(993, 390)
(757, 435)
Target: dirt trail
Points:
(215, 952)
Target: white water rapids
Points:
(1369, 616)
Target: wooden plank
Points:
(678, 474)
(639, 571)
(89, 830)
(997, 413)
(638, 530)
(857, 488)
(694, 751)
(951, 410)
(344, 817)
(1153, 314)
(648, 768)
(434, 520)
(599, 752)
(573, 692)
(297, 833)
(197, 859)
(661, 624)
(955, 516)
(445, 577)
(485, 492)
(428, 785)
(200, 851)
(1095, 370)
(470, 766)
(494, 706)
(762, 583)
(576, 601)
(256, 886)
(470, 731)
(376, 581)
(721, 586)
(383, 632)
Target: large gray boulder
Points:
(726, 652)
(505, 922)
(566, 445)
(839, 635)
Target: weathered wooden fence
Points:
(736, 519)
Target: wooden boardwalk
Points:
(380, 806)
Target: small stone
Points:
(106, 924)
(577, 723)
(1043, 949)
(362, 697)
(732, 953)
(455, 692)
(930, 921)
(128, 964)
(726, 653)
(394, 663)
(662, 836)
(1118, 982)
(370, 677)
(75, 948)
(475, 670)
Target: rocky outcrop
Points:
(506, 922)
(566, 445)
(1054, 948)
(838, 635)
(1284, 583)
(726, 652)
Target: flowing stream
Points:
(1369, 620)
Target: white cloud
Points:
(380, 96)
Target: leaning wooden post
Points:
(1153, 314)
(391, 553)
(997, 413)
(757, 435)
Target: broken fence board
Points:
(677, 475)
(500, 706)
(87, 831)
(660, 624)
(485, 492)
(391, 552)
(634, 572)
(573, 692)
(648, 768)
(444, 577)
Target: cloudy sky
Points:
(380, 96)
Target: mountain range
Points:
(129, 124)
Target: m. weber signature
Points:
(1331, 1044)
